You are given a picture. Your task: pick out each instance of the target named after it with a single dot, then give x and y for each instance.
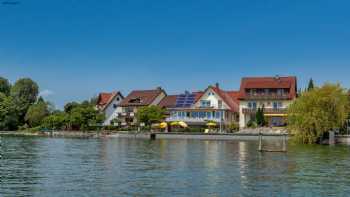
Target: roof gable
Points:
(224, 96)
(104, 99)
(141, 97)
(269, 82)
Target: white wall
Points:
(110, 111)
(212, 98)
(244, 119)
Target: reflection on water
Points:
(131, 167)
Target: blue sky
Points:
(77, 48)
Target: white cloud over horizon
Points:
(46, 93)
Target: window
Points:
(118, 98)
(217, 114)
(209, 115)
(173, 114)
(277, 105)
(205, 103)
(115, 106)
(194, 114)
(219, 104)
(280, 105)
(252, 105)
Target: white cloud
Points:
(46, 93)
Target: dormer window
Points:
(135, 100)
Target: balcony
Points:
(194, 120)
(126, 114)
(264, 96)
(266, 110)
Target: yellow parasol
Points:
(211, 124)
(163, 125)
(183, 124)
(176, 123)
(179, 123)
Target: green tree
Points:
(5, 86)
(311, 85)
(24, 93)
(85, 117)
(318, 111)
(150, 114)
(260, 119)
(36, 113)
(56, 121)
(69, 106)
(8, 113)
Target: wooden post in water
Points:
(153, 136)
(260, 142)
(284, 148)
(331, 138)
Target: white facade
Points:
(209, 107)
(111, 110)
(213, 100)
(269, 105)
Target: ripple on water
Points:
(130, 167)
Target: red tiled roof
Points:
(269, 82)
(234, 96)
(168, 101)
(141, 97)
(227, 97)
(105, 98)
(198, 94)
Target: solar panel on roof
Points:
(185, 100)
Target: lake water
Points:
(135, 167)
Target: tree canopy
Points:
(8, 113)
(318, 111)
(259, 117)
(150, 114)
(24, 92)
(36, 113)
(5, 86)
(310, 85)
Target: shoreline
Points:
(340, 139)
(143, 135)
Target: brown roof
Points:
(141, 97)
(228, 98)
(198, 94)
(234, 96)
(104, 98)
(168, 101)
(269, 82)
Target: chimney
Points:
(159, 88)
(217, 85)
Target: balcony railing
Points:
(126, 114)
(266, 110)
(264, 96)
(189, 119)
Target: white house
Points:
(272, 94)
(108, 104)
(214, 104)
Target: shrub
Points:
(251, 124)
